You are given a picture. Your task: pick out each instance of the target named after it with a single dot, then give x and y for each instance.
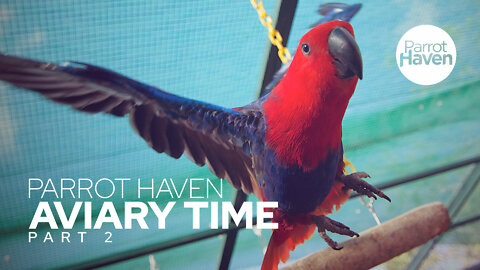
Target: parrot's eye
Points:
(305, 49)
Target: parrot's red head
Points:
(331, 54)
(305, 110)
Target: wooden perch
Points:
(381, 243)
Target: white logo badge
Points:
(426, 54)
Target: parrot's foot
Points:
(354, 181)
(326, 224)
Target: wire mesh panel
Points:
(205, 51)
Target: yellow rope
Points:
(274, 36)
(284, 54)
(348, 164)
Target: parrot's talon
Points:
(354, 181)
(326, 224)
(329, 240)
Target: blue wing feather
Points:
(208, 134)
(227, 140)
(337, 11)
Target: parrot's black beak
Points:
(345, 51)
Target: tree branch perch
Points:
(381, 243)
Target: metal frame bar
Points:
(454, 207)
(146, 250)
(424, 174)
(284, 13)
(465, 221)
(231, 238)
(206, 234)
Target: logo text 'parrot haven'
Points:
(426, 55)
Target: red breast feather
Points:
(305, 111)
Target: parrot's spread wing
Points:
(207, 134)
(336, 11)
(326, 8)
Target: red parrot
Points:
(284, 147)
